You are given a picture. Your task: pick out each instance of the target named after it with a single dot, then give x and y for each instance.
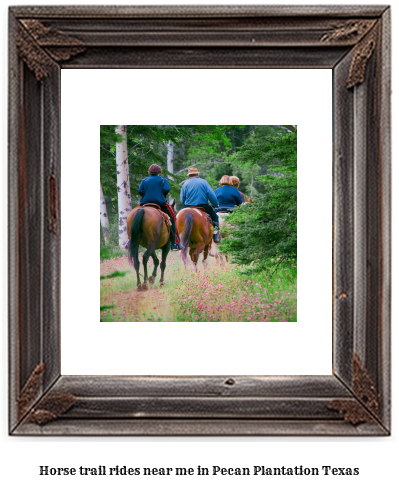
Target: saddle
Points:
(154, 205)
(202, 210)
(165, 216)
(199, 208)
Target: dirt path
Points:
(154, 302)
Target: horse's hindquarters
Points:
(147, 228)
(195, 234)
(153, 228)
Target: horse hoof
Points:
(139, 287)
(144, 286)
(162, 284)
(151, 280)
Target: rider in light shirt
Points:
(196, 192)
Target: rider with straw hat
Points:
(196, 192)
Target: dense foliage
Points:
(266, 229)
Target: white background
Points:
(202, 97)
(20, 457)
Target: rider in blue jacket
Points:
(154, 189)
(196, 192)
(228, 196)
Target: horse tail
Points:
(185, 233)
(135, 234)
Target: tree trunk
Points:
(170, 147)
(104, 216)
(169, 160)
(123, 185)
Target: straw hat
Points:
(193, 171)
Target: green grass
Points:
(236, 294)
(231, 294)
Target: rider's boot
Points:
(216, 237)
(177, 246)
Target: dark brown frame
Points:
(353, 41)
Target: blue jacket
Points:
(154, 190)
(196, 191)
(228, 196)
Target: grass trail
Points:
(213, 295)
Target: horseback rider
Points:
(154, 189)
(235, 181)
(228, 196)
(196, 192)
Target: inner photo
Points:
(198, 223)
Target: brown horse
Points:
(147, 228)
(196, 234)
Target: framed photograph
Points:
(351, 44)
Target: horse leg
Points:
(154, 272)
(221, 258)
(216, 255)
(150, 251)
(205, 259)
(212, 251)
(183, 259)
(194, 255)
(165, 251)
(136, 264)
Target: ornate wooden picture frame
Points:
(352, 41)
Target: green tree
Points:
(267, 228)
